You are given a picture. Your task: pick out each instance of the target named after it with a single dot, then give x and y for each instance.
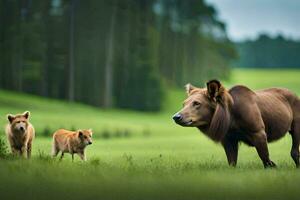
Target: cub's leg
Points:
(23, 151)
(29, 147)
(82, 155)
(13, 148)
(259, 140)
(55, 149)
(61, 156)
(14, 151)
(231, 149)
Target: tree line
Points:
(110, 53)
(268, 52)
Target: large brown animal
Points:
(20, 134)
(240, 114)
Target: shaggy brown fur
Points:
(20, 134)
(241, 114)
(73, 142)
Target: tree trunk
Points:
(108, 82)
(48, 55)
(71, 71)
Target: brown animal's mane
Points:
(220, 122)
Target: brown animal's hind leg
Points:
(259, 140)
(295, 132)
(231, 149)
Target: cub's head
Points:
(85, 136)
(19, 122)
(206, 107)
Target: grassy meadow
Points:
(138, 155)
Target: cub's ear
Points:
(189, 88)
(26, 114)
(80, 134)
(215, 89)
(10, 118)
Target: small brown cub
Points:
(20, 134)
(71, 142)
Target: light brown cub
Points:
(20, 134)
(71, 142)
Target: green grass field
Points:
(144, 156)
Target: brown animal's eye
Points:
(196, 103)
(85, 137)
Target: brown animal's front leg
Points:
(231, 149)
(259, 140)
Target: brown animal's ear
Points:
(10, 118)
(80, 134)
(26, 114)
(189, 88)
(214, 89)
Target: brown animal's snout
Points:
(90, 142)
(180, 119)
(177, 117)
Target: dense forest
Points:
(269, 52)
(110, 53)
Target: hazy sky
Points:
(247, 18)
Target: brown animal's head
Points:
(19, 122)
(85, 136)
(206, 108)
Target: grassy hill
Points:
(139, 155)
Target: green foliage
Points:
(120, 53)
(3, 148)
(268, 52)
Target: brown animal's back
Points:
(274, 104)
(276, 107)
